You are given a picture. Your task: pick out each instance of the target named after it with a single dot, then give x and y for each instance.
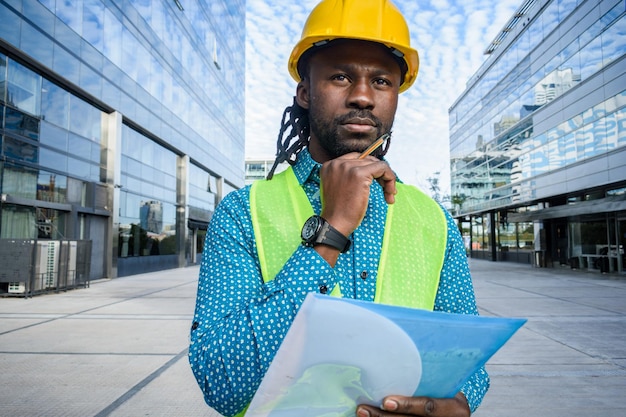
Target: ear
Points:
(302, 94)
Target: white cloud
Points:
(450, 36)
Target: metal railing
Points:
(29, 267)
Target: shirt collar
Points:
(306, 167)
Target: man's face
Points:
(351, 92)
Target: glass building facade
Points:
(121, 123)
(538, 139)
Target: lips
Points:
(359, 121)
(359, 124)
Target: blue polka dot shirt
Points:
(240, 321)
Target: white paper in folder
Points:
(339, 353)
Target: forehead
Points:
(348, 51)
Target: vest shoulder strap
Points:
(414, 246)
(278, 209)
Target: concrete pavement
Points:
(119, 347)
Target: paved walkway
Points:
(119, 347)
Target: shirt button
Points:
(364, 274)
(323, 289)
(194, 326)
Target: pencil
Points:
(374, 145)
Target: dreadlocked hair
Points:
(289, 145)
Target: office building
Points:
(121, 127)
(538, 139)
(258, 168)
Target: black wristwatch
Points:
(317, 231)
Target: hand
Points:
(395, 405)
(345, 189)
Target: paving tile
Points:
(118, 348)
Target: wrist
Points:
(317, 231)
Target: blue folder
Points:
(339, 353)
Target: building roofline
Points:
(510, 26)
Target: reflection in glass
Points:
(147, 227)
(55, 104)
(550, 18)
(51, 187)
(621, 127)
(567, 148)
(85, 120)
(53, 160)
(93, 23)
(570, 66)
(19, 150)
(65, 63)
(591, 57)
(147, 209)
(70, 12)
(35, 44)
(3, 78)
(526, 236)
(23, 88)
(20, 123)
(614, 40)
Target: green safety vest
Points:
(414, 240)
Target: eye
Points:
(382, 82)
(339, 77)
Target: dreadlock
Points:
(287, 148)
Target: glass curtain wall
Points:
(147, 197)
(176, 64)
(495, 151)
(50, 146)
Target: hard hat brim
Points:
(409, 55)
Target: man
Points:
(353, 60)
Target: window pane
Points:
(55, 104)
(23, 88)
(54, 137)
(19, 182)
(53, 160)
(17, 149)
(21, 124)
(93, 23)
(85, 120)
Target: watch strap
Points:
(330, 236)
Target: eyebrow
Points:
(353, 67)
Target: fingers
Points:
(382, 172)
(345, 189)
(418, 406)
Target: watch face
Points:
(309, 230)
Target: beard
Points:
(327, 133)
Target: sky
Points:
(450, 37)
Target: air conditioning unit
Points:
(17, 287)
(46, 264)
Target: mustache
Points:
(363, 114)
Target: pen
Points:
(374, 145)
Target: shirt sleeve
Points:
(240, 321)
(456, 295)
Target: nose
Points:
(361, 95)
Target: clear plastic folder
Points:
(339, 353)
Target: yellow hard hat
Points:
(370, 20)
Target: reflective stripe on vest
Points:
(414, 240)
